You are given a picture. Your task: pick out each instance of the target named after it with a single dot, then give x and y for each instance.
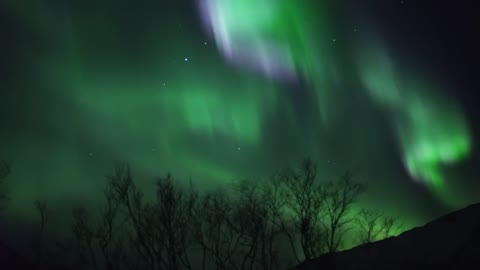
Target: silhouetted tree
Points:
(161, 230)
(390, 225)
(138, 215)
(239, 229)
(275, 202)
(375, 225)
(340, 197)
(305, 199)
(249, 220)
(84, 235)
(369, 225)
(255, 219)
(215, 232)
(109, 233)
(100, 239)
(174, 209)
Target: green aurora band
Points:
(431, 129)
(275, 37)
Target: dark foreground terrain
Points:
(450, 242)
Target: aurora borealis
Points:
(431, 130)
(426, 139)
(214, 91)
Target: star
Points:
(205, 43)
(238, 148)
(186, 59)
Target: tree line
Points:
(272, 224)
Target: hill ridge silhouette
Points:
(448, 242)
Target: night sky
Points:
(216, 91)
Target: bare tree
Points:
(240, 231)
(375, 225)
(108, 232)
(369, 225)
(174, 209)
(389, 225)
(5, 170)
(215, 233)
(99, 237)
(274, 195)
(138, 214)
(84, 235)
(305, 200)
(253, 220)
(340, 197)
(201, 230)
(161, 230)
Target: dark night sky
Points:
(86, 84)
